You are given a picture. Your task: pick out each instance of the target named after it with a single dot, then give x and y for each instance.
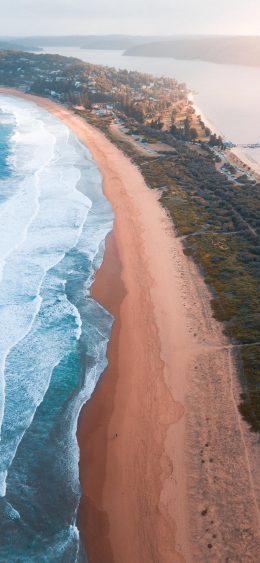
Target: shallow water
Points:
(53, 222)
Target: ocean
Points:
(54, 220)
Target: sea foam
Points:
(53, 222)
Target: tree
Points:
(193, 134)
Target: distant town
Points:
(161, 103)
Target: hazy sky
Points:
(34, 17)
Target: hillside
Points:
(116, 42)
(222, 50)
(11, 46)
(119, 42)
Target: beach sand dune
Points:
(167, 466)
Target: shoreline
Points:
(93, 432)
(239, 155)
(208, 123)
(236, 155)
(139, 353)
(147, 494)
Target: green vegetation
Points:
(213, 215)
(218, 219)
(69, 80)
(220, 224)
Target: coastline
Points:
(140, 437)
(236, 155)
(239, 155)
(208, 123)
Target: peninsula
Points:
(217, 49)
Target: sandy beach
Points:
(242, 157)
(250, 158)
(168, 469)
(245, 158)
(208, 123)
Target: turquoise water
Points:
(53, 222)
(6, 129)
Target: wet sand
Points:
(167, 466)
